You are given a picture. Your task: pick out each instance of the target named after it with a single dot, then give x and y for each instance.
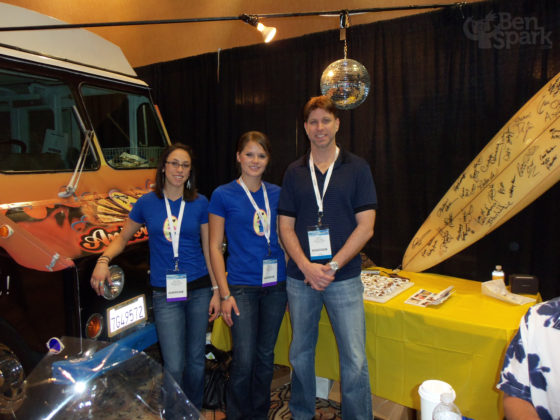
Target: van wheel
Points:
(13, 361)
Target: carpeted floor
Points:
(325, 409)
(280, 397)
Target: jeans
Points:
(345, 306)
(181, 328)
(254, 333)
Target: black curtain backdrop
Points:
(440, 92)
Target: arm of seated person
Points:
(519, 409)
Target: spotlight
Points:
(268, 32)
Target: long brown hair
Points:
(190, 192)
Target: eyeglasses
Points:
(176, 164)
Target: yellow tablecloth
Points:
(461, 342)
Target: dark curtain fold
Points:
(439, 93)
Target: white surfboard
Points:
(519, 164)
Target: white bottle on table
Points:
(498, 273)
(446, 410)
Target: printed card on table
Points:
(426, 298)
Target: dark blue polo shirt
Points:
(351, 190)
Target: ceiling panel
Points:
(156, 43)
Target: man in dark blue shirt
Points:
(326, 216)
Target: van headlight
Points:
(113, 290)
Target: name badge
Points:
(319, 243)
(176, 286)
(270, 272)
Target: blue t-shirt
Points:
(247, 246)
(150, 210)
(351, 190)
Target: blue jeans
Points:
(181, 328)
(254, 333)
(345, 306)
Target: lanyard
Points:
(174, 230)
(265, 223)
(318, 196)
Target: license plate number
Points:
(126, 314)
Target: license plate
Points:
(125, 315)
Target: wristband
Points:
(214, 287)
(226, 297)
(104, 258)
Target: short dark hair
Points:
(190, 192)
(322, 102)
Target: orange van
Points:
(79, 141)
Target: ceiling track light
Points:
(253, 20)
(268, 32)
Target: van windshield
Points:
(126, 126)
(38, 128)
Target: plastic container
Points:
(446, 410)
(430, 396)
(498, 273)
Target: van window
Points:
(126, 126)
(38, 128)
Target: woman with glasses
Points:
(254, 293)
(185, 295)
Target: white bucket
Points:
(430, 392)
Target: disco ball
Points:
(346, 82)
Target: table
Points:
(461, 342)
